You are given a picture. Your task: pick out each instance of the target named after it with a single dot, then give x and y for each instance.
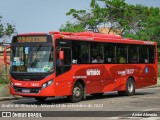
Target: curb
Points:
(10, 98)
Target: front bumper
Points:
(32, 88)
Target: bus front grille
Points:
(26, 90)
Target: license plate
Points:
(26, 90)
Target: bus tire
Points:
(40, 98)
(77, 93)
(130, 88)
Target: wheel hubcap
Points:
(130, 87)
(76, 92)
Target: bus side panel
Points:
(105, 78)
(96, 77)
(151, 76)
(147, 76)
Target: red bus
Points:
(76, 64)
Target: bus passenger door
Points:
(63, 60)
(63, 65)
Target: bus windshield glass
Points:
(32, 59)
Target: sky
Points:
(46, 15)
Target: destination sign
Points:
(23, 39)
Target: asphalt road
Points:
(145, 104)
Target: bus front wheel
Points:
(77, 93)
(130, 88)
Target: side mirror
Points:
(61, 55)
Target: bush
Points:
(4, 81)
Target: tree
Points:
(6, 29)
(135, 21)
(151, 25)
(70, 27)
(88, 20)
(148, 26)
(113, 14)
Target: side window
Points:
(96, 53)
(80, 52)
(143, 54)
(121, 51)
(84, 53)
(151, 50)
(67, 57)
(109, 53)
(133, 54)
(65, 64)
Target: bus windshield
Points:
(32, 59)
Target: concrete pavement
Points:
(11, 97)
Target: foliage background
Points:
(135, 21)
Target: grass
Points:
(4, 74)
(4, 90)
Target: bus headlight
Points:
(50, 82)
(46, 84)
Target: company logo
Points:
(146, 70)
(6, 114)
(21, 114)
(93, 72)
(126, 72)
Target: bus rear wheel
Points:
(40, 98)
(130, 88)
(77, 93)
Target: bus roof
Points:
(91, 36)
(99, 37)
